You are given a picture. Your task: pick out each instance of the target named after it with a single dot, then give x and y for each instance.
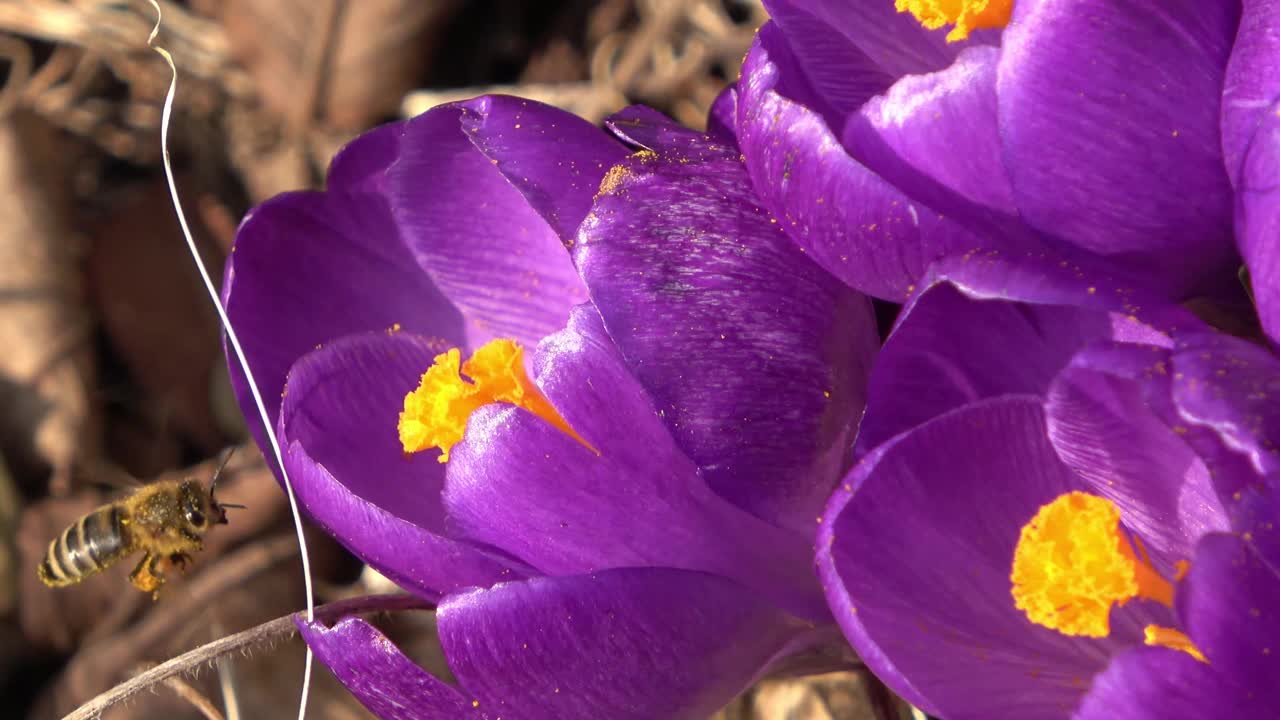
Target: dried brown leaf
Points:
(155, 311)
(46, 368)
(342, 62)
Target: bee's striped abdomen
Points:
(88, 546)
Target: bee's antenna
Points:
(222, 465)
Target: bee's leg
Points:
(147, 576)
(180, 560)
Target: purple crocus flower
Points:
(1251, 115)
(623, 527)
(1065, 506)
(1085, 127)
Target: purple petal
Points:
(831, 37)
(1252, 83)
(950, 349)
(1109, 113)
(361, 165)
(338, 424)
(311, 267)
(754, 356)
(1230, 604)
(987, 326)
(1258, 219)
(554, 158)
(391, 685)
(1232, 387)
(936, 136)
(1103, 425)
(647, 129)
(839, 76)
(1223, 390)
(473, 233)
(722, 118)
(639, 644)
(521, 485)
(915, 554)
(1155, 683)
(848, 219)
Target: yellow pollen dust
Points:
(1073, 562)
(435, 414)
(966, 15)
(1173, 639)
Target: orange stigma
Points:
(436, 412)
(965, 15)
(1172, 639)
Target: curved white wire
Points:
(235, 344)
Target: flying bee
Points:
(166, 520)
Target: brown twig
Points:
(264, 634)
(18, 53)
(319, 54)
(120, 650)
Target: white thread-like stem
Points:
(235, 343)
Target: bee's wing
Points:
(104, 474)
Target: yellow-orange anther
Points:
(966, 15)
(1174, 639)
(1072, 563)
(435, 413)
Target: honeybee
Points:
(166, 520)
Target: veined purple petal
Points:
(936, 136)
(831, 37)
(519, 484)
(311, 267)
(628, 644)
(477, 236)
(361, 165)
(1110, 116)
(1232, 387)
(391, 685)
(1230, 604)
(554, 158)
(835, 75)
(338, 425)
(1037, 314)
(1252, 83)
(1104, 422)
(847, 218)
(949, 349)
(754, 356)
(915, 553)
(1156, 683)
(1258, 219)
